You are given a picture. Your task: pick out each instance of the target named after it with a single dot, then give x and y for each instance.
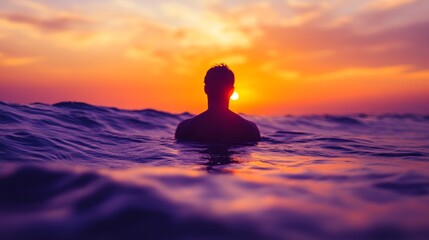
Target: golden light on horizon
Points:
(234, 96)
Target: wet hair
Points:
(219, 76)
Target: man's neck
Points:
(218, 105)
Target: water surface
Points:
(73, 170)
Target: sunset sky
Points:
(289, 57)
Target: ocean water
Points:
(76, 171)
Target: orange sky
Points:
(289, 57)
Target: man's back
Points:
(218, 127)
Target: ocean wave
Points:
(81, 129)
(72, 170)
(69, 202)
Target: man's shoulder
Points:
(184, 129)
(186, 123)
(193, 120)
(245, 121)
(250, 128)
(231, 126)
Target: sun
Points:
(234, 96)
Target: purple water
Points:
(77, 171)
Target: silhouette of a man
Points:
(218, 123)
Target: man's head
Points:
(219, 82)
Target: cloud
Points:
(387, 4)
(261, 34)
(10, 61)
(386, 15)
(54, 24)
(207, 27)
(145, 54)
(231, 59)
(33, 5)
(362, 73)
(303, 46)
(312, 49)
